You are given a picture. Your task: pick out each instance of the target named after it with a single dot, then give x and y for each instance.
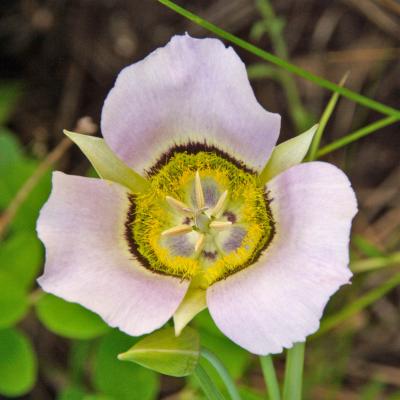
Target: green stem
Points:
(206, 384)
(356, 306)
(374, 263)
(352, 137)
(292, 387)
(261, 70)
(270, 379)
(222, 371)
(323, 122)
(367, 102)
(274, 26)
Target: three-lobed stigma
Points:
(202, 219)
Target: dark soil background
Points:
(67, 54)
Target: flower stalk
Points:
(293, 383)
(270, 378)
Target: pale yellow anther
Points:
(220, 225)
(216, 210)
(179, 206)
(177, 230)
(200, 243)
(199, 191)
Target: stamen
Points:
(179, 206)
(199, 191)
(177, 230)
(200, 243)
(220, 225)
(216, 210)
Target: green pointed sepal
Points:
(107, 164)
(163, 352)
(288, 154)
(193, 303)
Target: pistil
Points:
(204, 219)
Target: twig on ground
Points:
(84, 125)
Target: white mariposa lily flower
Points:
(262, 247)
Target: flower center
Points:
(203, 215)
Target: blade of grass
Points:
(323, 121)
(273, 25)
(222, 372)
(367, 102)
(292, 386)
(352, 137)
(366, 247)
(358, 305)
(373, 263)
(206, 384)
(271, 382)
(262, 71)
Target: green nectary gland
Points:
(224, 254)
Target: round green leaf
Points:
(10, 149)
(13, 301)
(69, 319)
(18, 365)
(21, 256)
(120, 380)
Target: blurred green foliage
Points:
(17, 363)
(121, 380)
(20, 255)
(69, 320)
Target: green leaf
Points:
(366, 247)
(72, 393)
(374, 263)
(262, 71)
(222, 372)
(207, 385)
(106, 163)
(13, 300)
(10, 150)
(248, 393)
(77, 393)
(10, 155)
(287, 154)
(21, 256)
(69, 319)
(119, 380)
(166, 353)
(18, 365)
(324, 120)
(358, 134)
(9, 93)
